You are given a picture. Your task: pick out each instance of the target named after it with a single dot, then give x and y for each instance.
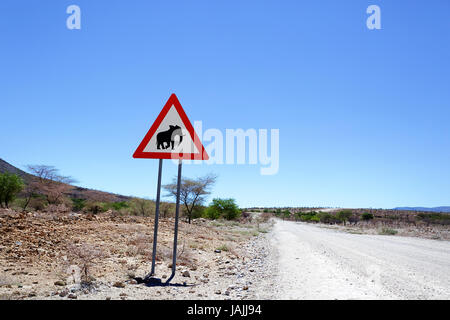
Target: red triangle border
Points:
(140, 154)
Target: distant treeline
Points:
(355, 216)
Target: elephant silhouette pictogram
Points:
(166, 139)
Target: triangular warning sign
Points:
(171, 136)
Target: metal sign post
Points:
(155, 233)
(177, 213)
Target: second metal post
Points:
(155, 234)
(175, 237)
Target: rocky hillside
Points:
(6, 167)
(74, 191)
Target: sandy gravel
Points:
(319, 263)
(272, 260)
(216, 259)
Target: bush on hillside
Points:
(10, 186)
(366, 216)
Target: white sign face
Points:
(171, 136)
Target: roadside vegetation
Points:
(360, 216)
(376, 221)
(46, 190)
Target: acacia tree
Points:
(49, 182)
(192, 192)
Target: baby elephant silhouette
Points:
(165, 139)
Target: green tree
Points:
(325, 217)
(344, 215)
(10, 186)
(212, 213)
(367, 216)
(223, 208)
(78, 204)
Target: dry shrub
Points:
(85, 256)
(163, 253)
(140, 245)
(57, 208)
(246, 217)
(232, 251)
(132, 228)
(204, 237)
(264, 217)
(185, 258)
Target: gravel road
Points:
(318, 263)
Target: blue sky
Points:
(363, 114)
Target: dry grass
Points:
(140, 244)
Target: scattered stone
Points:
(60, 283)
(108, 298)
(186, 274)
(245, 288)
(217, 251)
(72, 296)
(74, 288)
(218, 292)
(119, 284)
(64, 293)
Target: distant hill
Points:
(6, 167)
(435, 209)
(74, 191)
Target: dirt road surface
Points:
(318, 263)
